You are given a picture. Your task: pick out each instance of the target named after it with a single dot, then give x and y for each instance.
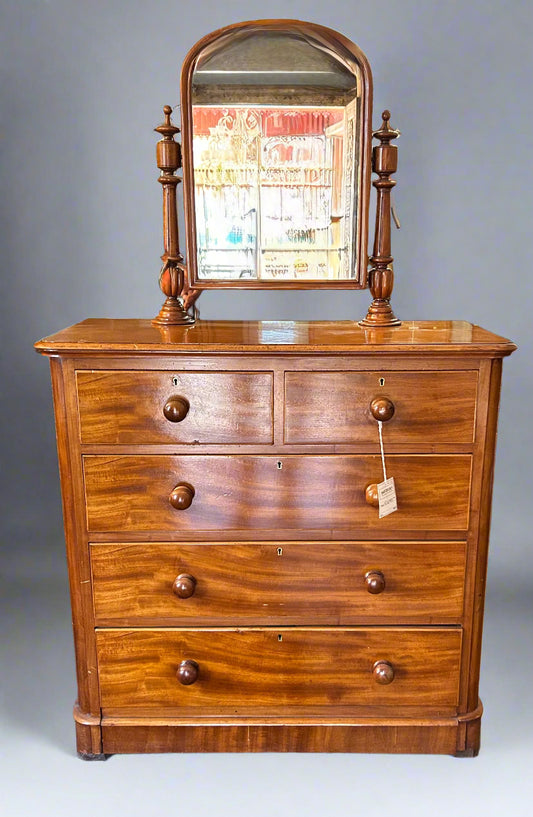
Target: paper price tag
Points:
(387, 497)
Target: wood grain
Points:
(476, 601)
(278, 583)
(131, 493)
(431, 738)
(305, 667)
(107, 337)
(88, 736)
(322, 407)
(126, 407)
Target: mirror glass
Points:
(275, 132)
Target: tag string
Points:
(380, 429)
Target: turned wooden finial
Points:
(167, 129)
(173, 276)
(381, 276)
(385, 133)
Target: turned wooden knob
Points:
(187, 673)
(374, 581)
(383, 672)
(371, 495)
(176, 408)
(184, 586)
(382, 408)
(182, 496)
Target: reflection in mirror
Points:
(275, 126)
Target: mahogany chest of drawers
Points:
(233, 587)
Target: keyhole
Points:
(280, 637)
(381, 381)
(280, 551)
(279, 465)
(175, 381)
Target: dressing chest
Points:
(276, 532)
(233, 587)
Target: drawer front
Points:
(281, 583)
(291, 667)
(334, 407)
(128, 407)
(131, 493)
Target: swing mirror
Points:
(276, 120)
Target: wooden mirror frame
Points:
(180, 282)
(336, 42)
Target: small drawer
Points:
(278, 583)
(209, 493)
(140, 407)
(416, 407)
(217, 670)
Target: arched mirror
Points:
(276, 143)
(277, 156)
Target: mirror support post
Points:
(381, 276)
(173, 276)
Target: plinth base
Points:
(459, 735)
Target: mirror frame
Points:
(337, 42)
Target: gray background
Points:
(82, 86)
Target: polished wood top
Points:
(107, 336)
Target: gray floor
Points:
(42, 774)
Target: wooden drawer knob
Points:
(382, 408)
(184, 586)
(383, 672)
(176, 408)
(187, 673)
(374, 581)
(182, 496)
(371, 495)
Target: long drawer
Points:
(335, 407)
(132, 407)
(134, 493)
(235, 670)
(282, 583)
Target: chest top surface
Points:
(109, 336)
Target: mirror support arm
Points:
(381, 275)
(173, 278)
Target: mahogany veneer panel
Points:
(322, 583)
(322, 407)
(130, 493)
(126, 407)
(262, 737)
(110, 336)
(255, 667)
